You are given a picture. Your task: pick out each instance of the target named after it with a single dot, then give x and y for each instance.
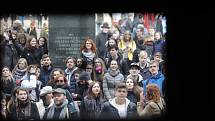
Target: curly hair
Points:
(153, 92)
(83, 46)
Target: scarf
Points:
(63, 112)
(18, 73)
(23, 110)
(114, 73)
(89, 55)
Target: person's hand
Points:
(142, 97)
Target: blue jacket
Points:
(157, 79)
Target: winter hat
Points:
(45, 90)
(84, 76)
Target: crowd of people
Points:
(121, 74)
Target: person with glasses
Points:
(88, 50)
(62, 82)
(119, 107)
(156, 77)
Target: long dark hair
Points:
(90, 92)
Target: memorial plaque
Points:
(67, 33)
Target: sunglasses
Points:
(60, 81)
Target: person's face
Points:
(139, 33)
(112, 42)
(22, 40)
(121, 93)
(88, 45)
(151, 31)
(70, 64)
(153, 68)
(6, 72)
(134, 71)
(21, 65)
(96, 89)
(3, 102)
(157, 58)
(129, 84)
(113, 52)
(55, 74)
(143, 58)
(33, 42)
(113, 65)
(14, 36)
(48, 97)
(157, 36)
(41, 41)
(105, 30)
(79, 61)
(97, 63)
(60, 81)
(76, 76)
(89, 69)
(115, 36)
(33, 70)
(22, 95)
(59, 98)
(127, 36)
(46, 61)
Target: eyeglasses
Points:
(152, 66)
(60, 81)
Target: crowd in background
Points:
(120, 74)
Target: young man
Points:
(134, 71)
(24, 109)
(45, 70)
(156, 77)
(119, 107)
(61, 109)
(46, 100)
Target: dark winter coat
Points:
(101, 39)
(91, 108)
(110, 112)
(132, 97)
(45, 75)
(159, 46)
(9, 54)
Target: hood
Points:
(113, 103)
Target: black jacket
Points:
(110, 112)
(90, 108)
(34, 113)
(9, 54)
(101, 39)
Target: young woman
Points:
(128, 46)
(99, 69)
(134, 90)
(32, 52)
(88, 50)
(111, 79)
(153, 106)
(159, 43)
(91, 105)
(54, 73)
(42, 41)
(8, 82)
(20, 69)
